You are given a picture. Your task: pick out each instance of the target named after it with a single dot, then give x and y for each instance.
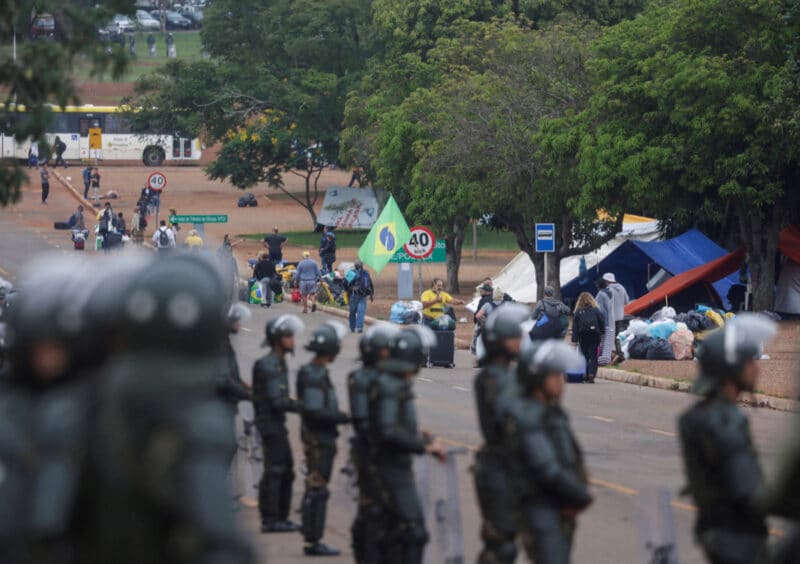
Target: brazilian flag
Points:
(386, 237)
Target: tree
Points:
(693, 114)
(41, 72)
(296, 58)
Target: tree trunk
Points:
(310, 202)
(760, 231)
(453, 245)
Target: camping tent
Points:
(634, 263)
(787, 293)
(518, 277)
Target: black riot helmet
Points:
(285, 325)
(377, 337)
(177, 305)
(543, 358)
(408, 351)
(723, 354)
(504, 323)
(327, 338)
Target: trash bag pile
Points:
(668, 335)
(406, 312)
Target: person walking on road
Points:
(272, 402)
(87, 180)
(495, 386)
(394, 440)
(264, 272)
(307, 276)
(549, 316)
(59, 146)
(164, 238)
(546, 462)
(722, 467)
(45, 176)
(605, 302)
(95, 182)
(320, 418)
(359, 288)
(619, 300)
(274, 243)
(588, 327)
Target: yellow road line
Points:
(612, 486)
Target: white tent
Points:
(518, 277)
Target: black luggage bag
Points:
(442, 354)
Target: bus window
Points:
(62, 123)
(176, 147)
(187, 148)
(116, 124)
(87, 123)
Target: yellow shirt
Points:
(436, 309)
(193, 241)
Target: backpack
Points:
(163, 238)
(585, 322)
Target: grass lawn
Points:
(487, 240)
(187, 45)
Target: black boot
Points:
(280, 527)
(319, 549)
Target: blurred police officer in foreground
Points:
(367, 527)
(495, 386)
(320, 418)
(230, 387)
(394, 440)
(722, 465)
(272, 402)
(546, 462)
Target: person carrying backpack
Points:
(550, 317)
(59, 147)
(164, 238)
(588, 326)
(359, 288)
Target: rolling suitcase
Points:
(442, 354)
(578, 375)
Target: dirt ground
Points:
(190, 192)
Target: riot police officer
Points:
(495, 386)
(394, 440)
(366, 530)
(161, 439)
(722, 466)
(272, 402)
(231, 387)
(545, 460)
(320, 418)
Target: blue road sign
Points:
(545, 237)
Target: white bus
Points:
(73, 124)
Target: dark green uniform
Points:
(367, 527)
(320, 418)
(495, 386)
(394, 440)
(724, 479)
(271, 401)
(549, 477)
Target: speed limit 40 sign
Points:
(421, 244)
(157, 181)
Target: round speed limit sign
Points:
(157, 181)
(421, 244)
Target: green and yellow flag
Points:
(386, 237)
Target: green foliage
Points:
(604, 12)
(41, 74)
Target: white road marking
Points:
(660, 432)
(601, 418)
(460, 389)
(421, 379)
(247, 330)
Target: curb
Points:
(644, 380)
(75, 194)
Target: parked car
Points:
(43, 26)
(173, 20)
(123, 23)
(146, 22)
(193, 14)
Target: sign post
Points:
(545, 242)
(157, 181)
(420, 247)
(95, 142)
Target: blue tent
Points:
(635, 262)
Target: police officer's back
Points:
(722, 467)
(394, 439)
(495, 387)
(367, 526)
(272, 402)
(320, 418)
(546, 462)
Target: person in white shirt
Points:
(164, 238)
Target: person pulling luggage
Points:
(320, 418)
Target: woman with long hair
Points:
(588, 326)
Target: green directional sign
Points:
(438, 255)
(198, 219)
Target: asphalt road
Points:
(627, 432)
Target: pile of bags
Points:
(406, 312)
(670, 336)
